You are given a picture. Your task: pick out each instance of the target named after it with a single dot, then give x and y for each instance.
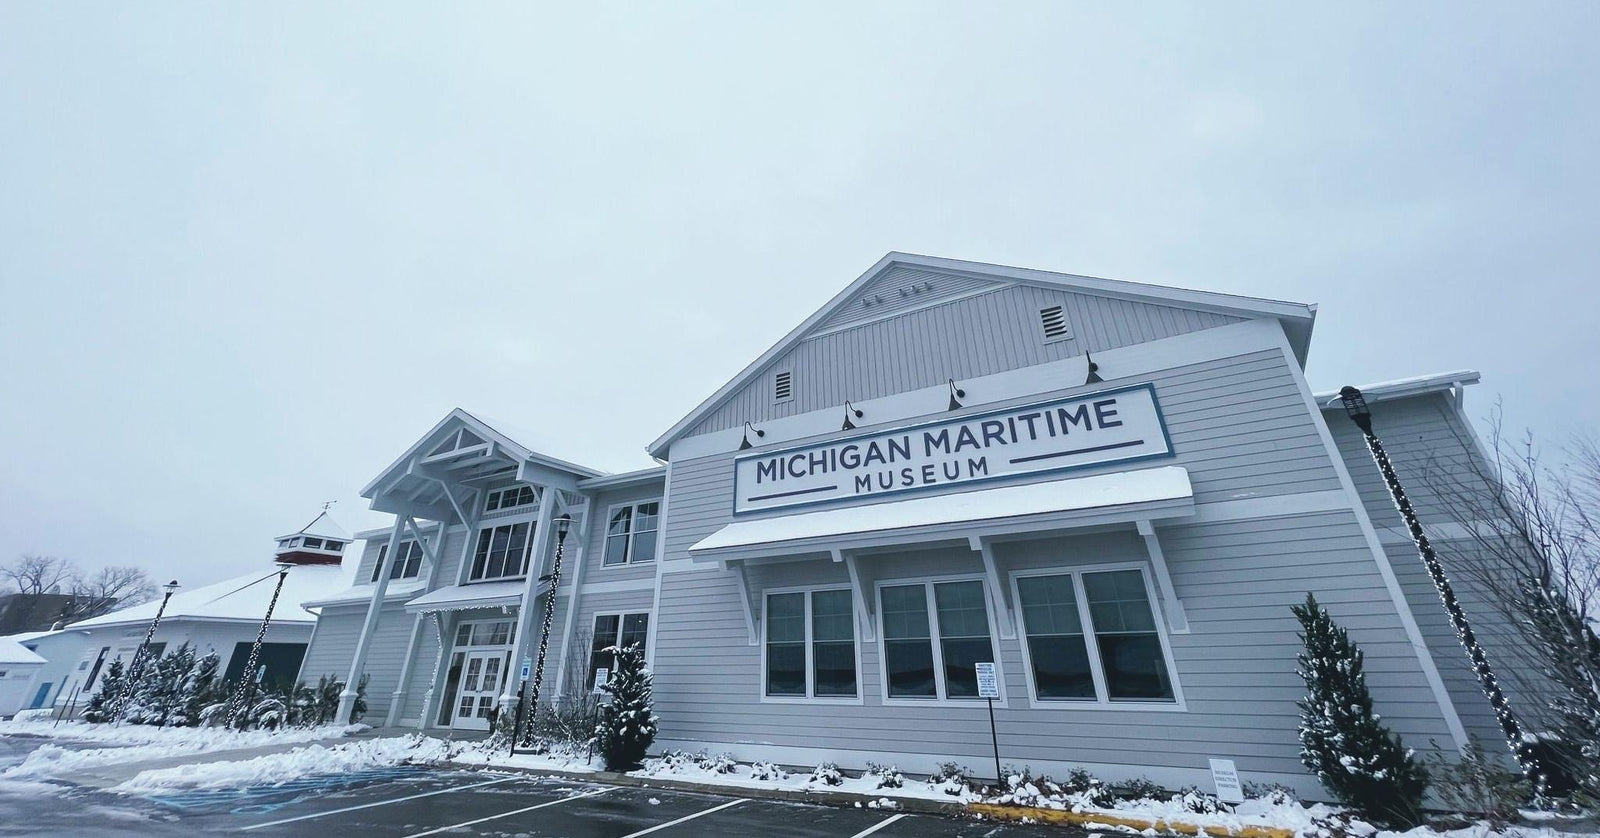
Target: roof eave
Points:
(1390, 390)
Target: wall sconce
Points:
(850, 411)
(745, 443)
(956, 394)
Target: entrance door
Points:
(481, 674)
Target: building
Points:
(19, 671)
(223, 617)
(1111, 492)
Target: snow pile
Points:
(272, 769)
(486, 754)
(719, 770)
(138, 743)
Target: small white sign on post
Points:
(601, 676)
(988, 684)
(527, 668)
(1226, 778)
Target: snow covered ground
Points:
(270, 769)
(140, 743)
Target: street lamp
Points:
(1355, 405)
(563, 524)
(247, 681)
(130, 682)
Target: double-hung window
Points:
(934, 658)
(631, 533)
(1092, 636)
(406, 565)
(619, 630)
(502, 552)
(810, 644)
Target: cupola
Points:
(320, 542)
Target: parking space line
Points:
(661, 826)
(375, 803)
(507, 814)
(877, 826)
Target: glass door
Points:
(481, 676)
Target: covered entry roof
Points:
(1083, 501)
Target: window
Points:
(406, 566)
(1054, 323)
(911, 644)
(810, 644)
(631, 533)
(497, 633)
(502, 552)
(333, 545)
(314, 544)
(510, 497)
(1111, 650)
(619, 630)
(783, 386)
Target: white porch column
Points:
(397, 700)
(347, 699)
(529, 606)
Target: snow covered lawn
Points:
(138, 743)
(270, 769)
(482, 754)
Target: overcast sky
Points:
(249, 254)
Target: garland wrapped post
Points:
(519, 735)
(247, 681)
(1356, 406)
(139, 656)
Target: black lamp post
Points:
(1356, 406)
(563, 524)
(131, 680)
(247, 680)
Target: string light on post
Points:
(247, 681)
(563, 524)
(132, 678)
(1355, 405)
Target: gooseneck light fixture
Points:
(956, 395)
(745, 443)
(1094, 371)
(850, 412)
(1355, 405)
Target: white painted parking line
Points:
(877, 826)
(376, 803)
(661, 826)
(507, 814)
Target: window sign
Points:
(1110, 426)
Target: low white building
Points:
(223, 617)
(19, 670)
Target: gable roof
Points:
(517, 442)
(242, 598)
(1297, 318)
(322, 526)
(13, 653)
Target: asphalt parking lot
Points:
(415, 802)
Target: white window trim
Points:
(1102, 701)
(422, 565)
(511, 520)
(942, 699)
(532, 505)
(605, 537)
(622, 617)
(480, 647)
(811, 697)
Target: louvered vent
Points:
(1053, 321)
(782, 386)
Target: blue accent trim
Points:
(952, 487)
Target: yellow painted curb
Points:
(1061, 816)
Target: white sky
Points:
(248, 255)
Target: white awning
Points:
(477, 595)
(1146, 494)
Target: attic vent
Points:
(1054, 322)
(783, 386)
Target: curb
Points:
(826, 798)
(1063, 817)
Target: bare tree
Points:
(1528, 544)
(108, 589)
(35, 574)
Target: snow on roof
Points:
(322, 526)
(537, 445)
(1402, 387)
(358, 594)
(26, 636)
(240, 598)
(12, 652)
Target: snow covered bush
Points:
(1088, 789)
(1343, 742)
(888, 776)
(826, 774)
(1271, 793)
(952, 779)
(719, 764)
(1139, 788)
(1192, 799)
(101, 705)
(628, 724)
(767, 771)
